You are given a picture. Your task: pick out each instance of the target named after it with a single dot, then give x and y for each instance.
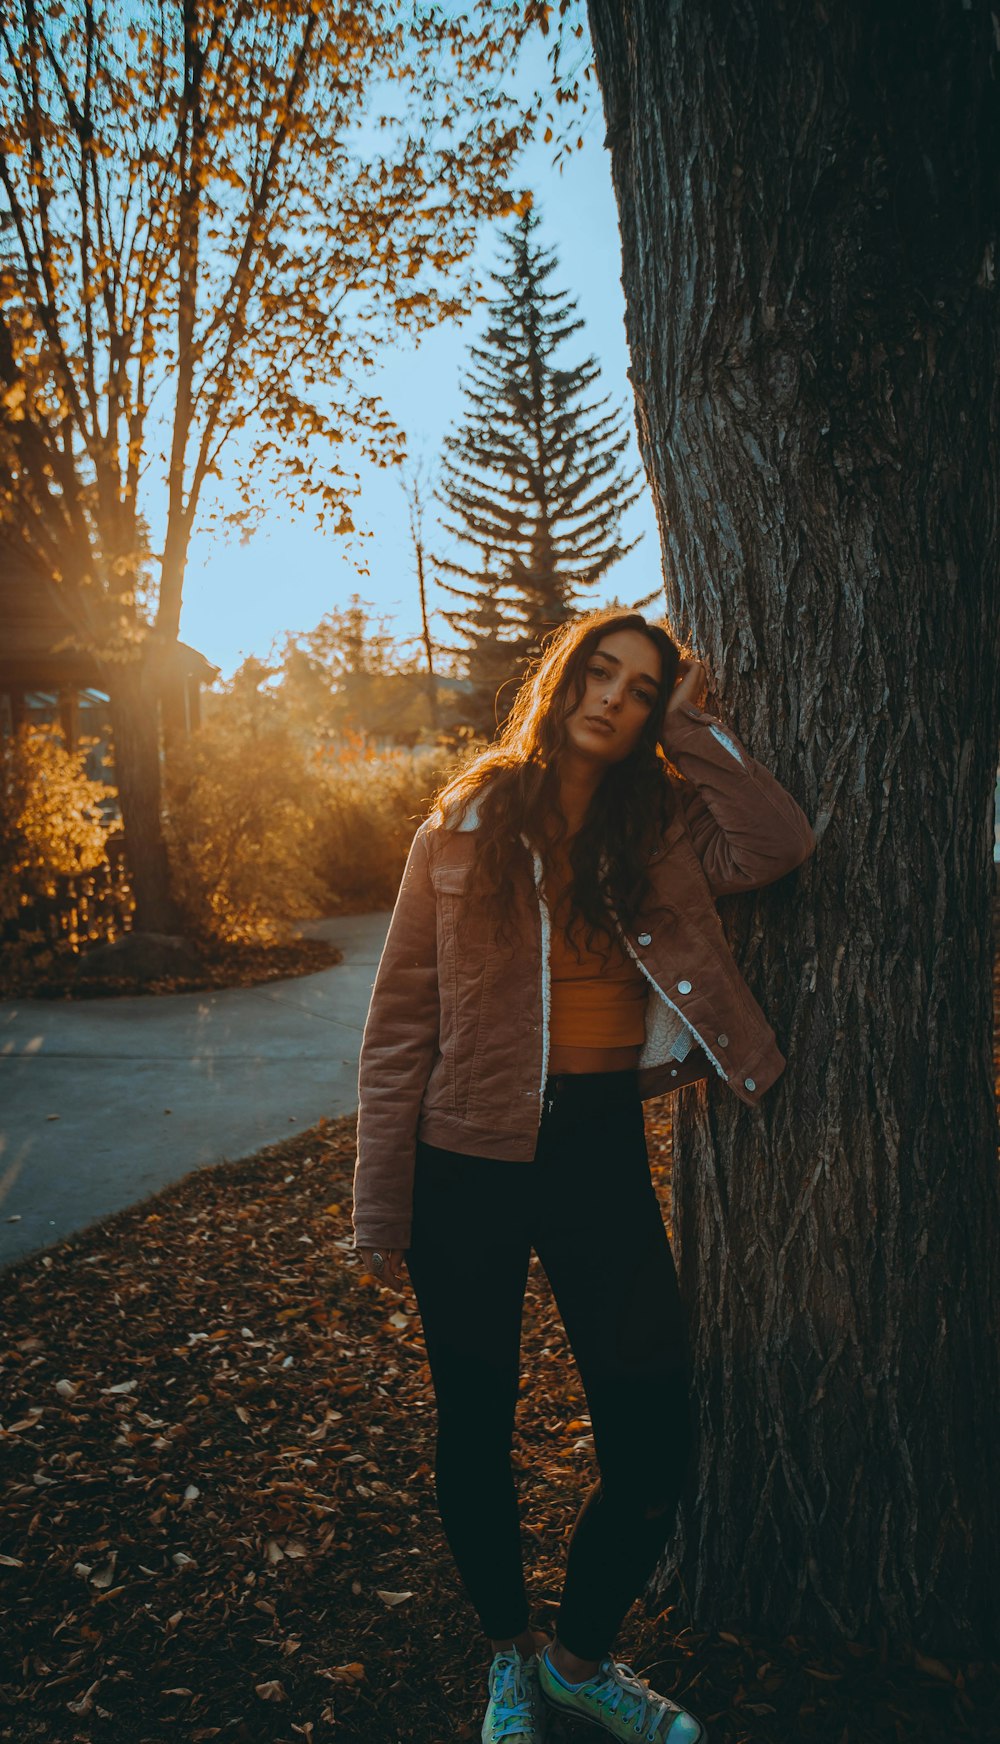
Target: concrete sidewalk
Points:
(148, 1088)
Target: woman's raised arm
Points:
(746, 828)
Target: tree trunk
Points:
(133, 693)
(807, 199)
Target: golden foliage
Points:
(374, 801)
(52, 844)
(264, 828)
(240, 830)
(51, 824)
(222, 213)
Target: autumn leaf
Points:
(272, 1691)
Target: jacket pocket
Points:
(450, 880)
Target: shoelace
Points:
(511, 1690)
(621, 1689)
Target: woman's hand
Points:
(690, 685)
(392, 1271)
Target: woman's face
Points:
(622, 689)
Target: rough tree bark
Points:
(808, 207)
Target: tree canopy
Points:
(210, 215)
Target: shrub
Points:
(373, 802)
(265, 825)
(53, 833)
(240, 814)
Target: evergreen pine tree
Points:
(532, 479)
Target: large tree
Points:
(211, 215)
(533, 479)
(808, 199)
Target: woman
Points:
(555, 956)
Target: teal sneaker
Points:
(515, 1713)
(620, 1703)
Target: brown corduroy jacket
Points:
(456, 1043)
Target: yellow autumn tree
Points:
(211, 217)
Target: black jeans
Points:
(586, 1204)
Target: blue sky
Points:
(241, 599)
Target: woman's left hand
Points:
(689, 686)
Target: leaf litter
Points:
(220, 1521)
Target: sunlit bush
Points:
(240, 815)
(351, 802)
(265, 826)
(374, 800)
(52, 829)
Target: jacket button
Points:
(645, 938)
(683, 986)
(748, 1084)
(673, 1071)
(723, 1041)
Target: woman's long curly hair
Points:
(515, 784)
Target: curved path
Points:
(147, 1089)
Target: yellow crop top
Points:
(596, 1002)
